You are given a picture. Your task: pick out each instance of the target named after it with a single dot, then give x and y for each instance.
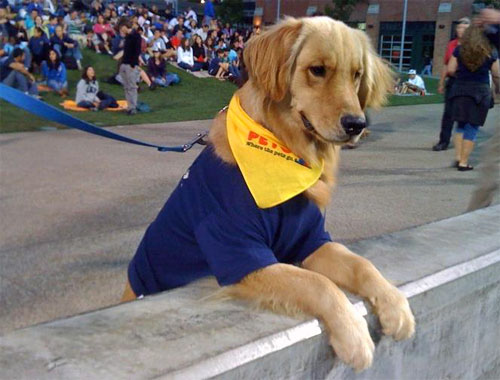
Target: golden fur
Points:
(281, 88)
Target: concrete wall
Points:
(450, 270)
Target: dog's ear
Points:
(269, 57)
(377, 80)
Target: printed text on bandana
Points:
(254, 140)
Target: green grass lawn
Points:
(193, 99)
(431, 85)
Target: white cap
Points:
(412, 72)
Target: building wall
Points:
(389, 11)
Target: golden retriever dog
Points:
(309, 81)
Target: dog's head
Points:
(324, 72)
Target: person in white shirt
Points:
(414, 85)
(158, 42)
(192, 14)
(202, 32)
(185, 58)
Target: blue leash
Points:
(46, 111)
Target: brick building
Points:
(429, 27)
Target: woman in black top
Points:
(199, 52)
(471, 95)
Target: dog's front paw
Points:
(395, 314)
(351, 340)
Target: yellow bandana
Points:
(271, 171)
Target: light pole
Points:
(403, 36)
(278, 11)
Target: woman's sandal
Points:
(464, 168)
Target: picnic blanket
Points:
(70, 105)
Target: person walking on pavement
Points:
(129, 67)
(471, 95)
(489, 179)
(447, 121)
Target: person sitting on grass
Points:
(88, 94)
(38, 45)
(40, 24)
(234, 64)
(170, 52)
(157, 70)
(176, 40)
(210, 49)
(199, 52)
(414, 85)
(218, 67)
(104, 34)
(65, 45)
(220, 45)
(158, 42)
(14, 74)
(54, 73)
(185, 58)
(191, 27)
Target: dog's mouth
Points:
(310, 128)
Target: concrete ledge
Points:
(449, 269)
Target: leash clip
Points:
(199, 139)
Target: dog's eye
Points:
(318, 71)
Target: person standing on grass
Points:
(208, 12)
(446, 121)
(129, 67)
(471, 95)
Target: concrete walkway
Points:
(74, 206)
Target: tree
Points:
(230, 11)
(342, 9)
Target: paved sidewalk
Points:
(74, 206)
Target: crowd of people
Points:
(39, 42)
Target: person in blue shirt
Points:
(211, 225)
(208, 12)
(29, 21)
(65, 45)
(34, 5)
(118, 41)
(54, 73)
(51, 26)
(38, 45)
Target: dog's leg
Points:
(288, 288)
(359, 276)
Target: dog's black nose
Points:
(353, 125)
